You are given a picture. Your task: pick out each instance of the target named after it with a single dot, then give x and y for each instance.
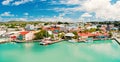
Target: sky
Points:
(60, 10)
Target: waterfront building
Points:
(26, 35)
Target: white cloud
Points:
(53, 2)
(62, 14)
(70, 2)
(103, 9)
(55, 19)
(26, 14)
(12, 2)
(86, 15)
(22, 19)
(44, 19)
(7, 14)
(21, 2)
(66, 10)
(6, 2)
(67, 2)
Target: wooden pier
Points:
(118, 40)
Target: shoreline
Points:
(30, 41)
(117, 40)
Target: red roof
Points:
(24, 32)
(13, 37)
(90, 34)
(82, 34)
(86, 34)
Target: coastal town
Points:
(52, 32)
(59, 30)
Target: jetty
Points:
(117, 39)
(26, 41)
(4, 40)
(49, 42)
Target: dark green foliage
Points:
(59, 22)
(46, 23)
(66, 23)
(62, 35)
(41, 34)
(76, 35)
(92, 30)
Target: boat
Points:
(46, 41)
(72, 40)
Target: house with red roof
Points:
(26, 35)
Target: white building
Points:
(2, 32)
(29, 27)
(89, 27)
(29, 36)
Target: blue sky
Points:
(61, 10)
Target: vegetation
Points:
(61, 35)
(76, 35)
(12, 24)
(110, 34)
(41, 34)
(52, 36)
(46, 23)
(116, 23)
(59, 22)
(66, 23)
(92, 30)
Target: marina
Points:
(69, 52)
(59, 30)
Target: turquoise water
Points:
(98, 51)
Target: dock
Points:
(118, 40)
(25, 41)
(53, 42)
(116, 36)
(4, 40)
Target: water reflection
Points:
(28, 45)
